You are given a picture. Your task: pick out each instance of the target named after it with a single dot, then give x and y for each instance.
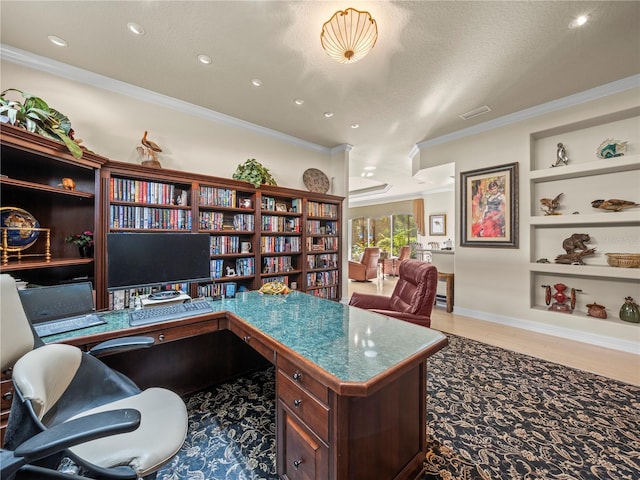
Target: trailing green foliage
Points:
(253, 172)
(36, 116)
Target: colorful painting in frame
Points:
(489, 207)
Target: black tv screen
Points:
(148, 259)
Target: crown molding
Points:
(572, 100)
(37, 62)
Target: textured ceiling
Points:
(433, 61)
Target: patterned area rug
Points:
(491, 414)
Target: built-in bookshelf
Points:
(255, 235)
(322, 246)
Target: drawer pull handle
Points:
(246, 338)
(297, 403)
(7, 395)
(297, 463)
(161, 337)
(297, 376)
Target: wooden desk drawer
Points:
(301, 456)
(6, 395)
(304, 405)
(303, 378)
(256, 344)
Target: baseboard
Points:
(629, 346)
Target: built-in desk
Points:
(350, 384)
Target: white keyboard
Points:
(67, 324)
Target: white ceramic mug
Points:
(245, 247)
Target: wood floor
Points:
(603, 361)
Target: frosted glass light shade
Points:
(349, 35)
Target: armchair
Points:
(412, 298)
(367, 267)
(57, 383)
(391, 266)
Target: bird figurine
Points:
(550, 205)
(613, 204)
(147, 152)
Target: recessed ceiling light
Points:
(354, 125)
(205, 59)
(256, 82)
(370, 168)
(135, 28)
(579, 21)
(328, 114)
(369, 174)
(298, 101)
(60, 42)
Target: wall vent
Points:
(475, 113)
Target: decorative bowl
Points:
(626, 260)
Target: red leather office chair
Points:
(412, 298)
(391, 266)
(367, 267)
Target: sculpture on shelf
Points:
(611, 148)
(147, 152)
(68, 184)
(561, 156)
(597, 311)
(630, 312)
(576, 249)
(560, 297)
(613, 204)
(550, 205)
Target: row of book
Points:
(217, 197)
(125, 216)
(218, 290)
(322, 243)
(219, 221)
(325, 292)
(279, 244)
(129, 190)
(125, 298)
(324, 260)
(276, 205)
(221, 245)
(316, 209)
(244, 267)
(271, 223)
(321, 279)
(318, 227)
(277, 264)
(279, 278)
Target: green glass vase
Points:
(629, 312)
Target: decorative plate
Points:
(20, 225)
(316, 181)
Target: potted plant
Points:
(253, 172)
(84, 241)
(37, 117)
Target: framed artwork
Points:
(281, 207)
(437, 225)
(489, 207)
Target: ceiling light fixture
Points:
(328, 114)
(370, 168)
(205, 59)
(579, 21)
(298, 101)
(349, 35)
(135, 28)
(256, 82)
(355, 125)
(60, 42)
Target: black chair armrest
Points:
(119, 345)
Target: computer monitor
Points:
(156, 258)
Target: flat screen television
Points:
(148, 259)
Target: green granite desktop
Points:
(352, 344)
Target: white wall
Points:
(494, 283)
(439, 203)
(111, 124)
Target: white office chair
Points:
(56, 383)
